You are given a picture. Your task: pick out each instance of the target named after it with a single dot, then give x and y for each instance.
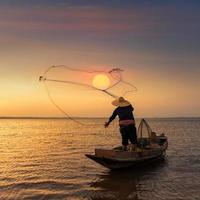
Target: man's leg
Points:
(124, 135)
(133, 137)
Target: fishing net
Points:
(144, 134)
(144, 130)
(79, 93)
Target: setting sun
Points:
(101, 81)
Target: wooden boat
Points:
(150, 149)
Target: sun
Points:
(101, 81)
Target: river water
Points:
(44, 159)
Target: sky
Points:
(156, 43)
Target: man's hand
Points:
(106, 124)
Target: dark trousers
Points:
(128, 133)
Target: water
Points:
(44, 159)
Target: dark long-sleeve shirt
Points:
(124, 113)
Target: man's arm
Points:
(132, 109)
(111, 118)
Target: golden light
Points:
(101, 81)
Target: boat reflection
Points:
(124, 184)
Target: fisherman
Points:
(124, 111)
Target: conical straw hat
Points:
(121, 102)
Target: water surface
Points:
(44, 159)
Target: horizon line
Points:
(55, 117)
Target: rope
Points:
(117, 77)
(58, 107)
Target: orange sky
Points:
(161, 63)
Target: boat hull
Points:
(116, 164)
(116, 159)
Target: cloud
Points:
(70, 19)
(96, 20)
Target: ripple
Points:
(44, 159)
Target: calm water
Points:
(44, 159)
